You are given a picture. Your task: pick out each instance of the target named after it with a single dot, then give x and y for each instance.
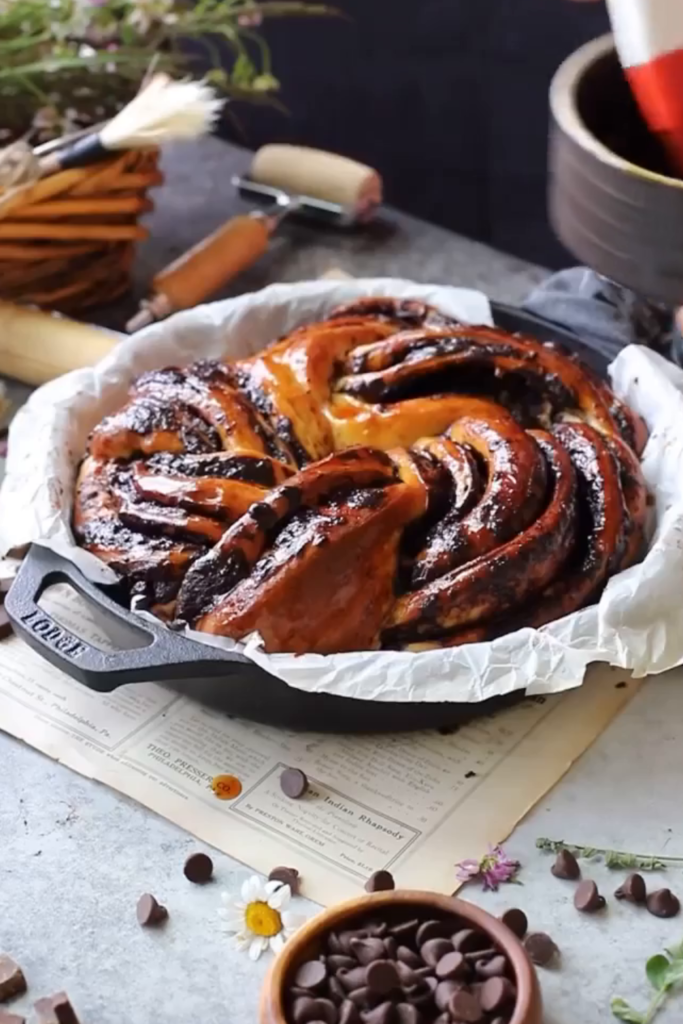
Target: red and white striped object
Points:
(649, 41)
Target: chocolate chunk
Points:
(390, 947)
(380, 881)
(432, 950)
(288, 876)
(493, 968)
(12, 980)
(541, 948)
(467, 940)
(407, 1014)
(348, 1013)
(465, 1007)
(406, 956)
(293, 783)
(382, 977)
(431, 930)
(340, 962)
(5, 624)
(367, 950)
(443, 992)
(335, 990)
(149, 912)
(382, 1014)
(451, 966)
(353, 979)
(587, 899)
(198, 868)
(404, 930)
(632, 889)
(11, 1018)
(497, 994)
(663, 903)
(55, 1009)
(516, 921)
(566, 866)
(311, 975)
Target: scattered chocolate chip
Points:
(382, 1014)
(198, 868)
(541, 948)
(311, 975)
(55, 1009)
(566, 866)
(11, 1018)
(443, 992)
(663, 903)
(620, 686)
(632, 889)
(288, 876)
(12, 980)
(408, 957)
(382, 977)
(431, 930)
(465, 1007)
(5, 624)
(367, 950)
(407, 1014)
(470, 775)
(149, 912)
(467, 940)
(348, 1013)
(516, 921)
(432, 951)
(493, 968)
(451, 966)
(496, 994)
(380, 881)
(587, 899)
(293, 783)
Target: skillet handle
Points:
(166, 657)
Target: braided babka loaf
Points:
(386, 478)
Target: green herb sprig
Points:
(615, 859)
(665, 973)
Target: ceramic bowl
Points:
(612, 199)
(306, 944)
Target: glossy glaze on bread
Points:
(385, 478)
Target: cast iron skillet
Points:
(220, 679)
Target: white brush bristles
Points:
(161, 112)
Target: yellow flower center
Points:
(263, 920)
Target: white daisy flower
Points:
(260, 919)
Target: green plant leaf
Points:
(674, 975)
(622, 1011)
(657, 969)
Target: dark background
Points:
(446, 98)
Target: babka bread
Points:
(388, 477)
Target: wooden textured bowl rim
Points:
(528, 1006)
(564, 108)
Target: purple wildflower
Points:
(493, 868)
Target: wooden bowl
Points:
(307, 943)
(613, 200)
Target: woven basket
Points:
(67, 242)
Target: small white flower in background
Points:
(260, 919)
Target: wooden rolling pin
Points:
(36, 347)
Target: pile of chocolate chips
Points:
(404, 970)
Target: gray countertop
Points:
(74, 856)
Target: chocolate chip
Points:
(516, 921)
(443, 992)
(367, 950)
(11, 1018)
(432, 951)
(327, 1011)
(422, 993)
(311, 975)
(198, 868)
(335, 991)
(12, 980)
(493, 968)
(348, 1013)
(497, 994)
(333, 943)
(376, 929)
(353, 979)
(404, 929)
(407, 1014)
(467, 940)
(347, 937)
(541, 948)
(480, 954)
(406, 956)
(304, 1010)
(288, 876)
(663, 903)
(293, 783)
(431, 930)
(382, 977)
(451, 966)
(566, 866)
(423, 972)
(382, 1014)
(390, 947)
(339, 962)
(380, 881)
(406, 975)
(56, 1009)
(632, 889)
(360, 996)
(149, 912)
(587, 899)
(465, 1007)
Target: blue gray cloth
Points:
(604, 315)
